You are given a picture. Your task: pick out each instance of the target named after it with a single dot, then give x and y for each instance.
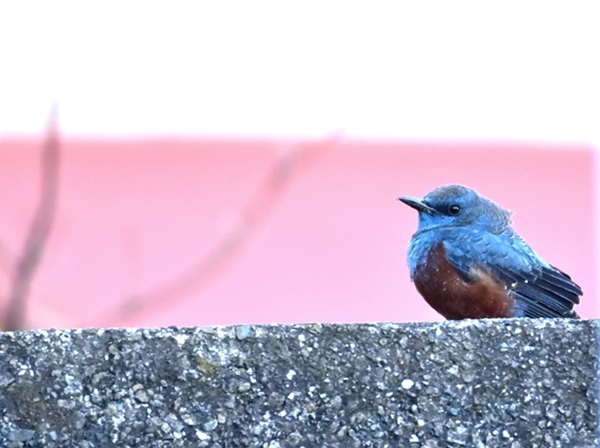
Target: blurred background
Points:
(206, 164)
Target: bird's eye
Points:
(453, 209)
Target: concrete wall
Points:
(506, 383)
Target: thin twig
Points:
(197, 276)
(39, 231)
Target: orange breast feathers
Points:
(454, 298)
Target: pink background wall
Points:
(179, 231)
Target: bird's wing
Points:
(539, 289)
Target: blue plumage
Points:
(465, 252)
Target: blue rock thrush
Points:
(467, 261)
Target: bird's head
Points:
(456, 205)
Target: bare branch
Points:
(39, 231)
(198, 275)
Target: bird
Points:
(467, 261)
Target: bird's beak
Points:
(417, 204)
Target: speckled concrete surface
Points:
(509, 383)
